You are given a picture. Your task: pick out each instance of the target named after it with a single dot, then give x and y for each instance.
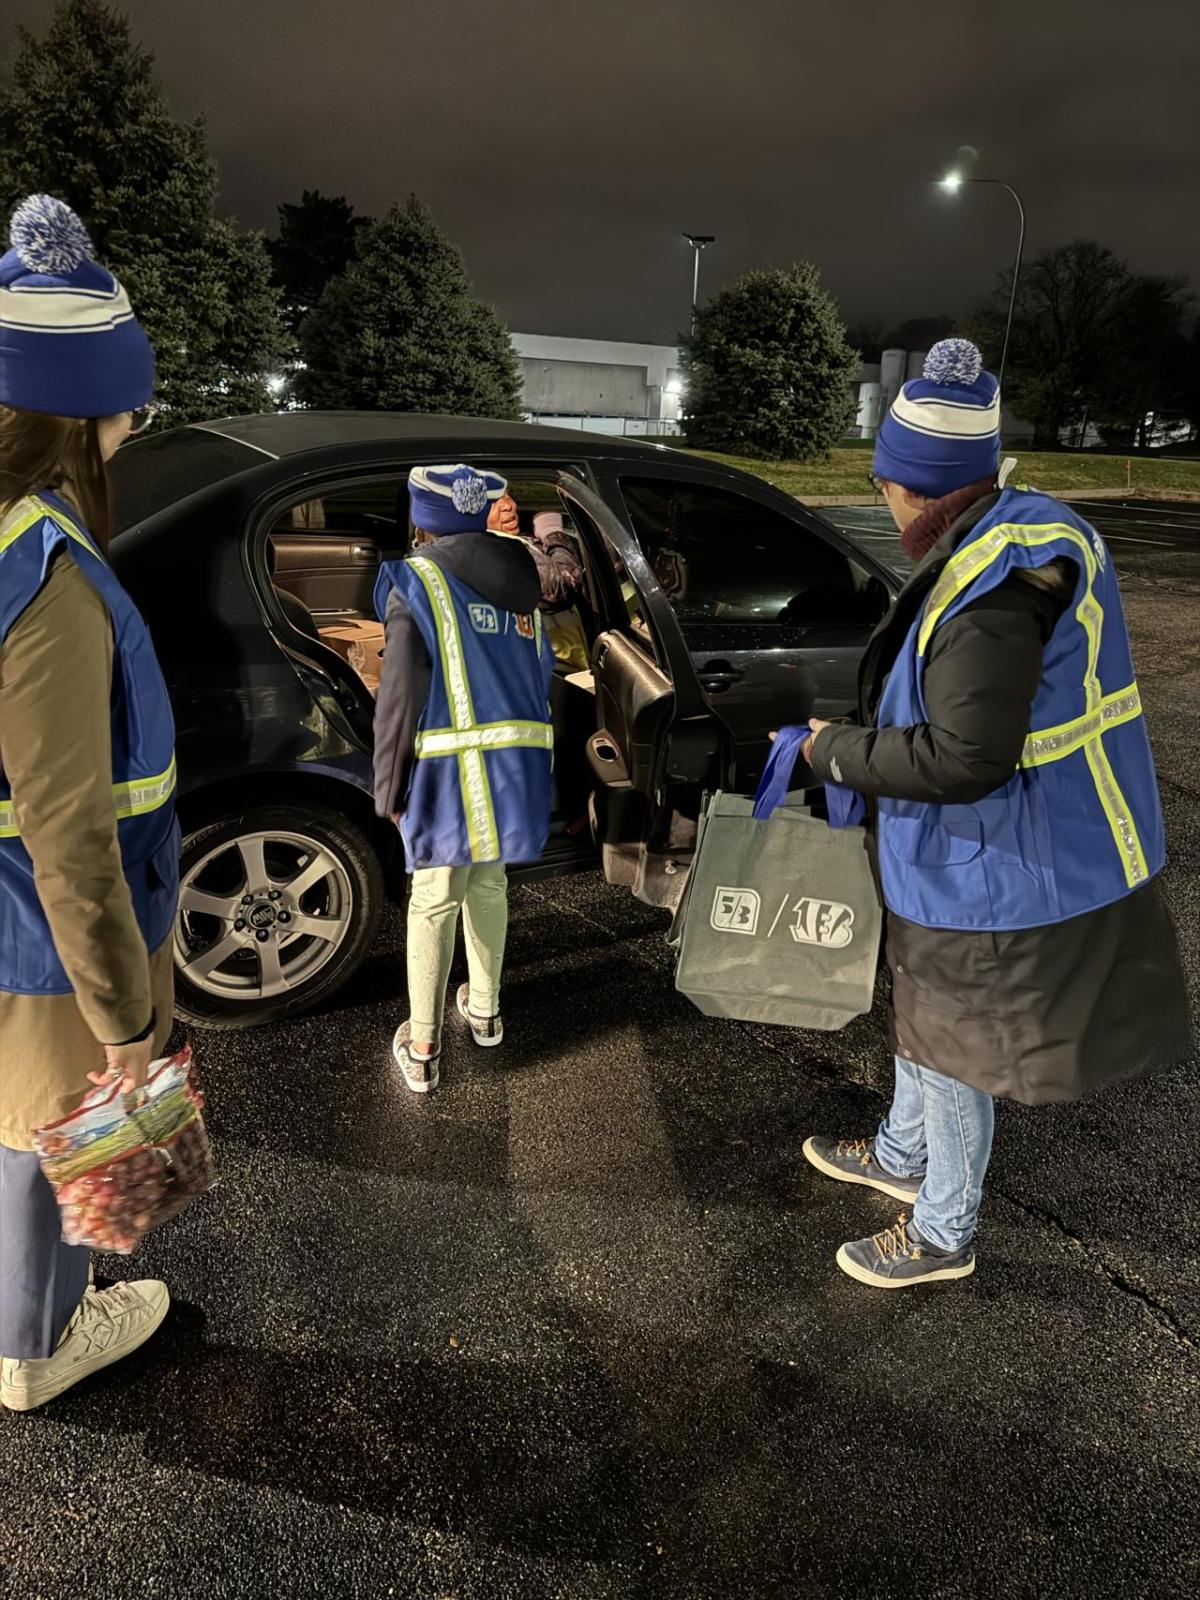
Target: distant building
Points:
(602, 385)
(606, 386)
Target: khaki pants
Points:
(433, 906)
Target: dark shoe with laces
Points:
(898, 1258)
(853, 1161)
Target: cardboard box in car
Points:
(360, 645)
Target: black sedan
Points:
(716, 609)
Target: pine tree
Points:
(84, 118)
(768, 369)
(401, 329)
(316, 243)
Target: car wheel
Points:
(277, 907)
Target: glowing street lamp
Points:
(952, 183)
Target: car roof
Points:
(285, 433)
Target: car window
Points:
(723, 557)
(373, 510)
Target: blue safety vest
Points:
(1079, 823)
(32, 534)
(480, 788)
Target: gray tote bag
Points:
(780, 921)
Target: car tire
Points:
(239, 960)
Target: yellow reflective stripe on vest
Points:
(12, 531)
(131, 799)
(487, 736)
(482, 836)
(1052, 744)
(962, 569)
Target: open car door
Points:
(658, 747)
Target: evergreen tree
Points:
(401, 329)
(83, 118)
(316, 243)
(769, 370)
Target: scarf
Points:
(923, 532)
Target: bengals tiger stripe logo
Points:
(525, 625)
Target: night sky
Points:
(564, 146)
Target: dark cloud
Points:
(565, 146)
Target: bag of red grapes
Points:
(122, 1164)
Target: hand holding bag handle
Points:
(846, 806)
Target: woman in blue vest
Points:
(1017, 823)
(463, 745)
(88, 840)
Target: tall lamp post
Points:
(697, 242)
(952, 183)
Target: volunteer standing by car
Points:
(88, 841)
(1018, 823)
(463, 743)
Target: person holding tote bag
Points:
(89, 846)
(1017, 823)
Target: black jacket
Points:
(1036, 1014)
(499, 570)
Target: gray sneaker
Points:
(898, 1258)
(853, 1161)
(486, 1031)
(420, 1071)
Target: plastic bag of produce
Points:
(122, 1164)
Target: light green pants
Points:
(437, 893)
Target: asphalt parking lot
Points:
(572, 1327)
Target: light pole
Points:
(952, 183)
(697, 242)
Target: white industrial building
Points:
(599, 384)
(606, 386)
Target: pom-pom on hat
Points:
(943, 430)
(70, 344)
(453, 499)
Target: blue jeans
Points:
(42, 1280)
(941, 1130)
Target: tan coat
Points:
(56, 669)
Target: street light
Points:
(697, 242)
(952, 183)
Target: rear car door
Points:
(657, 745)
(773, 605)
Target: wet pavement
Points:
(571, 1327)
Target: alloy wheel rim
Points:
(260, 915)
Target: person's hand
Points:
(502, 518)
(816, 726)
(128, 1062)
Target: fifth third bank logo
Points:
(735, 911)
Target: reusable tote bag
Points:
(781, 920)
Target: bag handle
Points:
(846, 807)
(776, 780)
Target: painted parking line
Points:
(1137, 538)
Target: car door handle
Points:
(719, 676)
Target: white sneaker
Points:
(109, 1324)
(486, 1031)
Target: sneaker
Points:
(853, 1161)
(486, 1031)
(898, 1258)
(108, 1324)
(420, 1072)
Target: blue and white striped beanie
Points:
(943, 429)
(70, 344)
(453, 499)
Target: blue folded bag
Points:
(846, 806)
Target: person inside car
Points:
(463, 745)
(1017, 821)
(89, 848)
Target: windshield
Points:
(153, 473)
